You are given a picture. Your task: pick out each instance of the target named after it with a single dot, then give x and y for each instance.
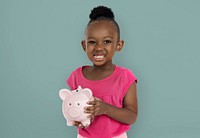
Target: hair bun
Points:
(101, 12)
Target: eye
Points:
(70, 104)
(78, 104)
(91, 42)
(107, 41)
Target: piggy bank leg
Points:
(86, 123)
(69, 123)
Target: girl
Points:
(115, 107)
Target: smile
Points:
(99, 57)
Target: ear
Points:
(83, 43)
(87, 92)
(120, 45)
(63, 93)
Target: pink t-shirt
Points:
(111, 90)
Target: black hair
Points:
(103, 13)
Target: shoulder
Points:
(123, 70)
(74, 78)
(76, 72)
(77, 69)
(80, 68)
(126, 73)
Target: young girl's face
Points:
(101, 42)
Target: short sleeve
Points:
(129, 79)
(71, 81)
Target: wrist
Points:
(109, 109)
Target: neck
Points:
(108, 66)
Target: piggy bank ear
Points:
(87, 92)
(63, 93)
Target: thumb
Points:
(97, 99)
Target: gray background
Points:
(40, 46)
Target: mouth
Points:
(98, 57)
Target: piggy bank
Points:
(73, 105)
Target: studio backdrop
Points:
(40, 45)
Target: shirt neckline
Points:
(95, 81)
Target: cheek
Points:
(89, 48)
(111, 49)
(90, 51)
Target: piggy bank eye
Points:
(70, 104)
(78, 104)
(76, 90)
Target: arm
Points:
(127, 114)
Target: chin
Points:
(98, 64)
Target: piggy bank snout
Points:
(74, 112)
(75, 108)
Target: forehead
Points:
(101, 28)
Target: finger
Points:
(91, 117)
(89, 108)
(80, 125)
(91, 102)
(89, 111)
(75, 123)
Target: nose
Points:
(99, 46)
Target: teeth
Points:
(99, 57)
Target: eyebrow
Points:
(104, 37)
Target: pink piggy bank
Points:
(73, 105)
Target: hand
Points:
(97, 107)
(78, 124)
